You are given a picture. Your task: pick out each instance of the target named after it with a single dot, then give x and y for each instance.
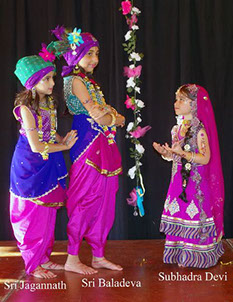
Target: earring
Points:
(33, 93)
(76, 69)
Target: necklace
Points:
(95, 90)
(184, 127)
(43, 104)
(53, 120)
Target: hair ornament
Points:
(192, 88)
(74, 39)
(46, 54)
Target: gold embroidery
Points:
(49, 205)
(103, 171)
(186, 244)
(41, 203)
(187, 221)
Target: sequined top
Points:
(73, 103)
(45, 132)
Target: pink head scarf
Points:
(202, 111)
(206, 115)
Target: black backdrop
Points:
(183, 41)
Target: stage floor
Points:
(144, 273)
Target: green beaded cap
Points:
(28, 66)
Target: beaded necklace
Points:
(184, 127)
(94, 88)
(53, 121)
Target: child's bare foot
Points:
(80, 268)
(42, 273)
(73, 264)
(52, 265)
(104, 263)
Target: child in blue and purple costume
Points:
(38, 171)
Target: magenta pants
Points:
(33, 227)
(90, 207)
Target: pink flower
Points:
(133, 20)
(132, 201)
(139, 132)
(46, 55)
(126, 7)
(129, 103)
(132, 72)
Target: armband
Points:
(113, 120)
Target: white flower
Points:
(135, 27)
(135, 10)
(139, 119)
(131, 172)
(130, 83)
(140, 148)
(179, 119)
(140, 103)
(132, 66)
(135, 56)
(128, 35)
(130, 126)
(137, 89)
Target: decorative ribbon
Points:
(140, 194)
(67, 69)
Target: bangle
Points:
(193, 157)
(187, 156)
(191, 160)
(44, 153)
(114, 111)
(30, 129)
(113, 120)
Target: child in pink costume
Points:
(96, 159)
(192, 218)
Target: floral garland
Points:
(53, 122)
(134, 131)
(110, 132)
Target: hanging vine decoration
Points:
(134, 131)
